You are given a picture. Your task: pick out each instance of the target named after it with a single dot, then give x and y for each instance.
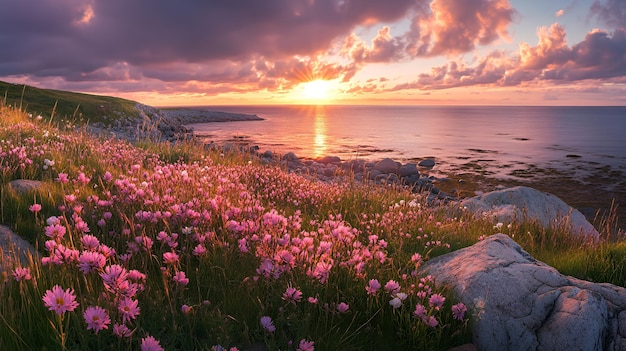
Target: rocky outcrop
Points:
(520, 303)
(25, 185)
(13, 250)
(522, 203)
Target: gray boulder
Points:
(13, 250)
(24, 185)
(519, 303)
(429, 162)
(408, 170)
(387, 166)
(522, 203)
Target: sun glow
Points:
(316, 90)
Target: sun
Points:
(316, 90)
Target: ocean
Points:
(502, 140)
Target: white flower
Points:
(395, 302)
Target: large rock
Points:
(522, 203)
(13, 250)
(520, 303)
(387, 166)
(25, 185)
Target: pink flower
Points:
(121, 331)
(97, 318)
(392, 286)
(90, 242)
(431, 321)
(199, 250)
(292, 295)
(306, 345)
(150, 344)
(180, 278)
(458, 311)
(343, 307)
(90, 261)
(436, 301)
(372, 286)
(60, 301)
(34, 208)
(129, 309)
(420, 311)
(185, 309)
(55, 231)
(62, 178)
(170, 258)
(267, 324)
(20, 273)
(312, 300)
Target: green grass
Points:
(244, 215)
(75, 107)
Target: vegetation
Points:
(173, 246)
(66, 105)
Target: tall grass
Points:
(213, 242)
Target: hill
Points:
(66, 104)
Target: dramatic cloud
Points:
(599, 56)
(610, 12)
(100, 39)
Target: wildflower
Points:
(62, 178)
(90, 261)
(90, 242)
(372, 286)
(392, 286)
(180, 278)
(97, 318)
(121, 330)
(34, 208)
(395, 303)
(20, 273)
(436, 301)
(60, 301)
(199, 250)
(267, 324)
(420, 311)
(129, 309)
(458, 311)
(150, 344)
(306, 345)
(55, 231)
(343, 307)
(114, 274)
(312, 300)
(170, 258)
(185, 309)
(292, 295)
(498, 225)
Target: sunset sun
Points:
(316, 90)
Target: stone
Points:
(522, 203)
(25, 185)
(428, 163)
(329, 159)
(268, 154)
(387, 166)
(408, 170)
(13, 250)
(519, 303)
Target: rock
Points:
(374, 174)
(429, 162)
(387, 165)
(522, 203)
(13, 250)
(520, 303)
(291, 157)
(329, 159)
(408, 170)
(268, 154)
(25, 185)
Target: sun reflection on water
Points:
(320, 146)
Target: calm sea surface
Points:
(496, 136)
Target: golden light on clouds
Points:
(86, 16)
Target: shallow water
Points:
(500, 139)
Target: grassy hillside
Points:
(76, 107)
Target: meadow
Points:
(173, 246)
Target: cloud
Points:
(609, 12)
(601, 55)
(94, 38)
(559, 13)
(384, 48)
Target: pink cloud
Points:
(609, 12)
(601, 55)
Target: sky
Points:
(400, 52)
